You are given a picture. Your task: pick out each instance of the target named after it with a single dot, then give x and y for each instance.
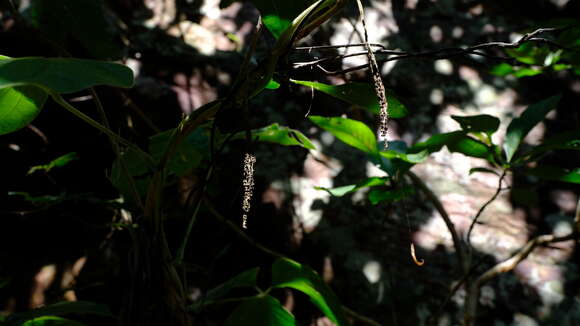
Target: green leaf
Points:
(261, 311)
(555, 173)
(519, 127)
(137, 168)
(58, 162)
(478, 123)
(188, 155)
(482, 170)
(277, 134)
(287, 273)
(413, 158)
(84, 21)
(19, 106)
(63, 75)
(361, 94)
(244, 279)
(569, 140)
(272, 84)
(62, 308)
(502, 69)
(352, 132)
(52, 321)
(456, 141)
(341, 191)
(379, 195)
(275, 24)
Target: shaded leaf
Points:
(261, 311)
(288, 273)
(379, 195)
(58, 162)
(63, 75)
(456, 141)
(555, 173)
(519, 127)
(361, 94)
(60, 309)
(352, 132)
(244, 279)
(52, 321)
(84, 21)
(188, 155)
(478, 123)
(569, 140)
(343, 190)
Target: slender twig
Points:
(438, 54)
(459, 250)
(332, 47)
(360, 318)
(484, 206)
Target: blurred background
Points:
(62, 231)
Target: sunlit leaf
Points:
(352, 132)
(413, 158)
(456, 141)
(519, 127)
(478, 123)
(555, 173)
(19, 106)
(361, 94)
(57, 162)
(379, 195)
(290, 274)
(343, 190)
(281, 135)
(261, 311)
(272, 84)
(275, 24)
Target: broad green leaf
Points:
(137, 168)
(261, 311)
(287, 273)
(341, 191)
(361, 94)
(519, 127)
(456, 141)
(478, 123)
(379, 195)
(352, 132)
(277, 134)
(275, 24)
(502, 69)
(52, 321)
(526, 72)
(63, 75)
(86, 22)
(60, 309)
(413, 158)
(555, 173)
(19, 106)
(188, 155)
(58, 162)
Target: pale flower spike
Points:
(248, 183)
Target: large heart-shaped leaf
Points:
(352, 132)
(361, 94)
(520, 127)
(63, 75)
(287, 273)
(261, 311)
